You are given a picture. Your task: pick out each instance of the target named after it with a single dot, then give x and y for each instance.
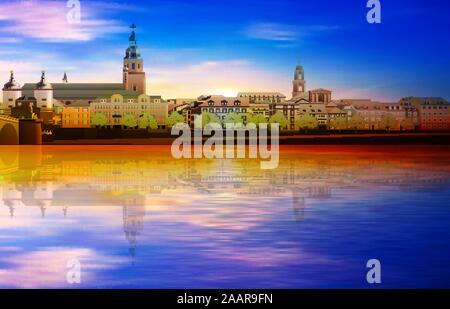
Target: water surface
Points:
(135, 217)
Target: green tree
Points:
(388, 122)
(407, 124)
(147, 121)
(306, 122)
(356, 122)
(99, 120)
(129, 121)
(234, 118)
(256, 119)
(174, 118)
(338, 123)
(208, 117)
(279, 118)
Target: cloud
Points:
(282, 33)
(47, 21)
(272, 32)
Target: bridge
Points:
(9, 130)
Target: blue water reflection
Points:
(135, 217)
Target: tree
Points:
(129, 121)
(256, 119)
(235, 119)
(407, 124)
(356, 122)
(339, 123)
(388, 122)
(174, 119)
(99, 120)
(279, 118)
(306, 122)
(147, 121)
(209, 118)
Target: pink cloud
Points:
(47, 21)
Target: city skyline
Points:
(255, 51)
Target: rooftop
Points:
(62, 91)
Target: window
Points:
(133, 66)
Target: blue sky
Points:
(199, 47)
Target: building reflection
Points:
(50, 178)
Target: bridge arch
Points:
(9, 131)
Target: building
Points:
(411, 111)
(290, 110)
(179, 103)
(433, 112)
(299, 83)
(222, 106)
(259, 102)
(334, 112)
(75, 103)
(11, 92)
(43, 92)
(117, 106)
(376, 115)
(133, 66)
(58, 94)
(262, 97)
(76, 115)
(26, 108)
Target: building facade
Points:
(76, 115)
(117, 106)
(222, 106)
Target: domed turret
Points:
(43, 84)
(11, 91)
(43, 92)
(12, 84)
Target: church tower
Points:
(133, 67)
(299, 82)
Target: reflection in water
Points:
(135, 217)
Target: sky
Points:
(200, 47)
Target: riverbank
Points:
(329, 139)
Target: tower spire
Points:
(65, 80)
(133, 35)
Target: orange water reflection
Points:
(119, 189)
